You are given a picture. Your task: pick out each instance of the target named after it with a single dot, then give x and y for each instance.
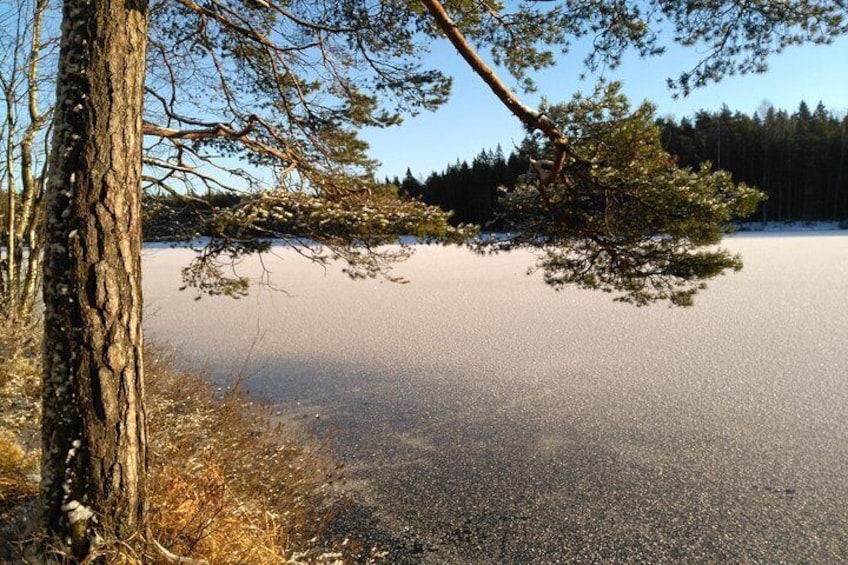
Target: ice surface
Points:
(478, 408)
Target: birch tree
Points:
(27, 55)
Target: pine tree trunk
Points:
(94, 458)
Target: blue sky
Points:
(473, 119)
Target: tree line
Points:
(470, 192)
(799, 160)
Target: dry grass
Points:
(20, 381)
(227, 485)
(19, 428)
(16, 470)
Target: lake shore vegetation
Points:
(229, 483)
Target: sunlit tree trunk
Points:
(94, 458)
(10, 290)
(28, 228)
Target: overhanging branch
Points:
(531, 118)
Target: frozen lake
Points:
(485, 418)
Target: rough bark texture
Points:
(94, 436)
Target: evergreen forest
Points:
(800, 160)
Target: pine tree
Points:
(94, 440)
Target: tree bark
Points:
(94, 460)
(11, 289)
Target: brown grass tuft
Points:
(20, 381)
(227, 484)
(16, 470)
(20, 392)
